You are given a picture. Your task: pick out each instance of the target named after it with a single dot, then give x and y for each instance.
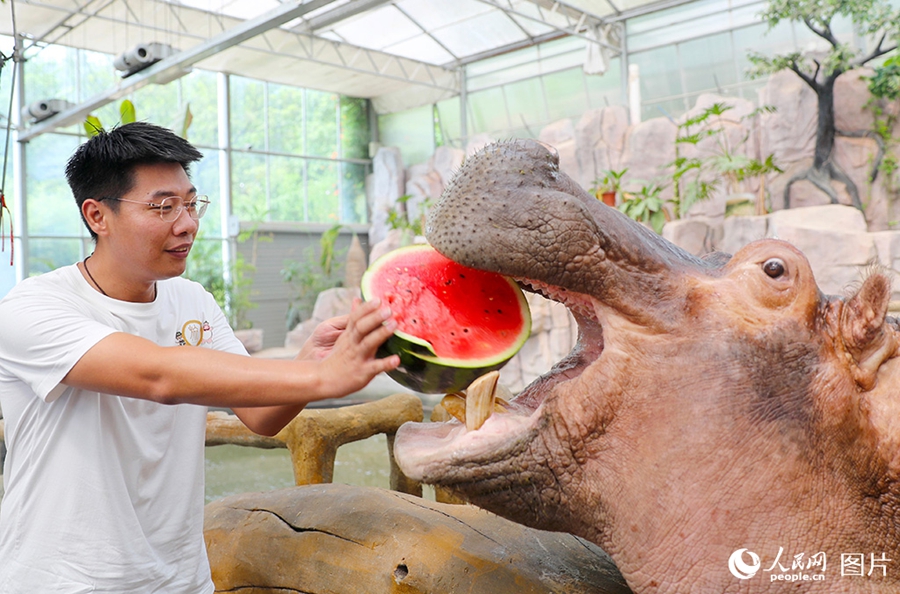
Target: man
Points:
(102, 367)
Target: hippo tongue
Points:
(510, 210)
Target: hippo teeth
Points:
(578, 303)
(480, 400)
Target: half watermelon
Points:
(454, 323)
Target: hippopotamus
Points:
(721, 425)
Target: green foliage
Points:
(128, 114)
(610, 180)
(645, 206)
(311, 275)
(233, 291)
(398, 216)
(92, 125)
(885, 83)
(877, 18)
(885, 87)
(695, 178)
(326, 243)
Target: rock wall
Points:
(838, 240)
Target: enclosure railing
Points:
(315, 435)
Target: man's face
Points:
(149, 247)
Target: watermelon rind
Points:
(420, 368)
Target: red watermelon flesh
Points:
(463, 313)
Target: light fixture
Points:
(141, 56)
(45, 108)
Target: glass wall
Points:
(298, 155)
(681, 52)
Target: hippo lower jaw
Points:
(423, 450)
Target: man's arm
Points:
(270, 420)
(131, 366)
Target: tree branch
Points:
(805, 77)
(878, 51)
(825, 33)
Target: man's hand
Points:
(346, 347)
(319, 345)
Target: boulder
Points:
(388, 184)
(649, 147)
(445, 162)
(851, 93)
(599, 142)
(790, 132)
(696, 235)
(342, 539)
(561, 136)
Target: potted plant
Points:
(608, 185)
(646, 206)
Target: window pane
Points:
(285, 119)
(353, 193)
(659, 70)
(205, 175)
(606, 89)
(199, 91)
(247, 104)
(49, 254)
(288, 192)
(526, 102)
(449, 121)
(708, 63)
(248, 191)
(321, 124)
(566, 97)
(51, 207)
(96, 72)
(354, 128)
(324, 203)
(412, 131)
(487, 112)
(159, 104)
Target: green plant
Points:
(645, 205)
(128, 114)
(695, 178)
(398, 216)
(885, 87)
(310, 275)
(610, 180)
(231, 291)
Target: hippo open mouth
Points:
(425, 447)
(510, 210)
(709, 405)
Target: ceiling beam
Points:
(176, 65)
(578, 22)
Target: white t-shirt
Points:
(103, 493)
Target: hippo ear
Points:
(868, 340)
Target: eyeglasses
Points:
(170, 208)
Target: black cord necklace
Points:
(96, 284)
(91, 276)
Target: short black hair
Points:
(104, 165)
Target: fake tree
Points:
(876, 20)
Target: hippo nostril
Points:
(773, 267)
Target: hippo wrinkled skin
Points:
(720, 426)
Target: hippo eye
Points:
(774, 267)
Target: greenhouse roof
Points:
(399, 53)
